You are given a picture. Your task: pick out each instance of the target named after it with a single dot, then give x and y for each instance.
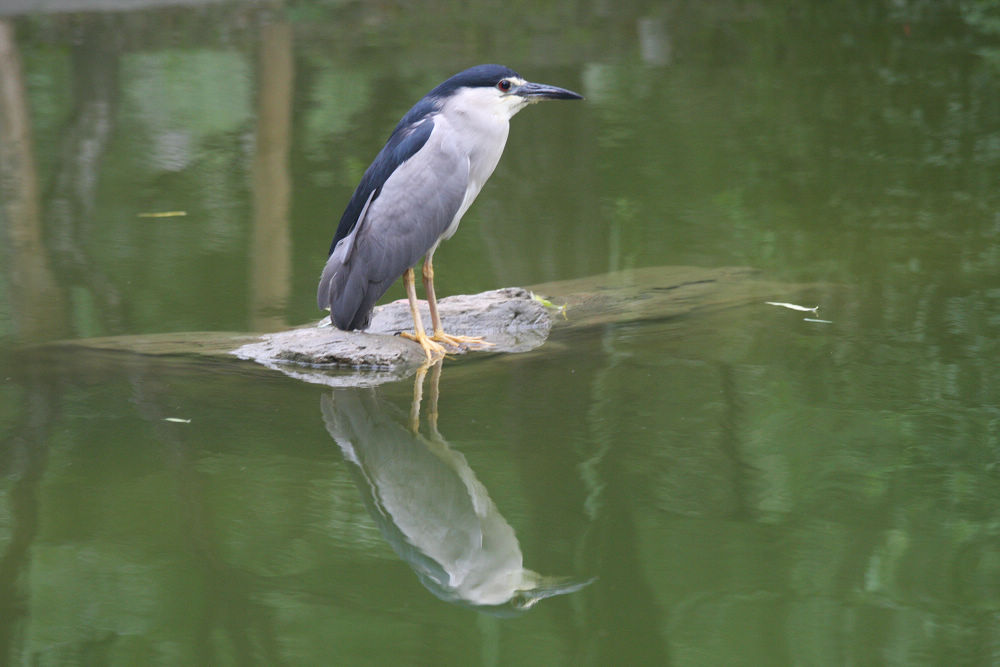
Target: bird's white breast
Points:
(478, 120)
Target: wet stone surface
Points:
(508, 318)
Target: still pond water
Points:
(740, 487)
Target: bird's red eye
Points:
(503, 85)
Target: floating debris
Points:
(177, 420)
(812, 319)
(163, 214)
(793, 306)
(548, 304)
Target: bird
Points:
(415, 192)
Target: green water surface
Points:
(749, 488)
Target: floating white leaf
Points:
(793, 306)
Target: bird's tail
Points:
(345, 294)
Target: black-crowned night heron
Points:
(414, 194)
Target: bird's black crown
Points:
(480, 76)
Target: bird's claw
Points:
(432, 349)
(472, 342)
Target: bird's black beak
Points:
(541, 91)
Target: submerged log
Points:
(513, 319)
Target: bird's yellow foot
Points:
(473, 342)
(433, 350)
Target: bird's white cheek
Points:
(513, 104)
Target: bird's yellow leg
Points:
(433, 350)
(474, 342)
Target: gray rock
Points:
(508, 318)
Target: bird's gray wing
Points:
(401, 223)
(409, 137)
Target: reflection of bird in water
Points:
(431, 508)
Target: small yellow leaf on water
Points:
(177, 420)
(163, 214)
(541, 299)
(548, 304)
